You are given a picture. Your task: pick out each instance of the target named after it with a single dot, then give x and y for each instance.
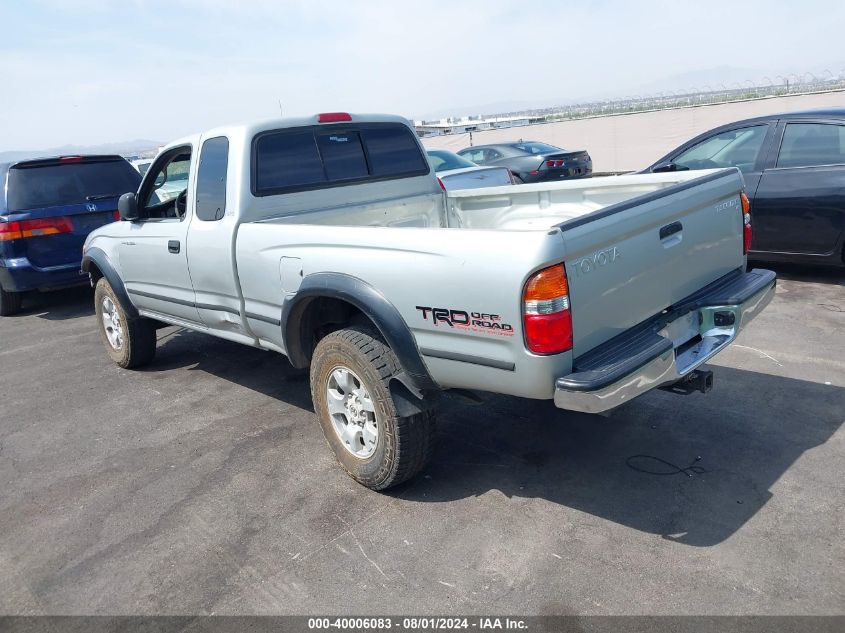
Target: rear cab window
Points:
(315, 157)
(53, 183)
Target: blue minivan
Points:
(48, 206)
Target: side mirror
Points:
(127, 206)
(664, 167)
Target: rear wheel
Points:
(10, 302)
(129, 342)
(350, 386)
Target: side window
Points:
(807, 144)
(165, 195)
(734, 148)
(492, 154)
(476, 155)
(211, 179)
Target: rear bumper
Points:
(545, 175)
(19, 274)
(667, 348)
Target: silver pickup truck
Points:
(328, 239)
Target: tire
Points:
(363, 404)
(129, 342)
(10, 302)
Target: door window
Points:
(491, 154)
(807, 144)
(166, 195)
(734, 148)
(475, 155)
(211, 179)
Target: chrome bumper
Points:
(696, 337)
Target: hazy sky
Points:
(94, 71)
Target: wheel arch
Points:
(96, 263)
(364, 302)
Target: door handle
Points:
(670, 229)
(173, 246)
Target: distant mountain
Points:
(124, 148)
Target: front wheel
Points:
(350, 386)
(129, 342)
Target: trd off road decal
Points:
(480, 322)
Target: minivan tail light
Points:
(547, 317)
(333, 117)
(746, 223)
(35, 228)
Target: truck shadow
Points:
(691, 469)
(265, 372)
(831, 275)
(59, 305)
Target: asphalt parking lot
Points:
(203, 485)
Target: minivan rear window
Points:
(325, 156)
(53, 185)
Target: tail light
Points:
(558, 163)
(546, 316)
(746, 223)
(116, 216)
(34, 228)
(333, 117)
(550, 163)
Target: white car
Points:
(141, 164)
(459, 173)
(174, 182)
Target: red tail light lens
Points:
(550, 163)
(333, 117)
(547, 318)
(746, 223)
(116, 216)
(10, 231)
(558, 163)
(34, 228)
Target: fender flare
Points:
(98, 258)
(374, 306)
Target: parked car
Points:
(530, 161)
(141, 164)
(47, 208)
(794, 169)
(329, 239)
(459, 173)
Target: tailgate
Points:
(634, 259)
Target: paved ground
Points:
(203, 485)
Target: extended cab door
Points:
(799, 206)
(153, 252)
(211, 240)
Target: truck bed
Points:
(531, 207)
